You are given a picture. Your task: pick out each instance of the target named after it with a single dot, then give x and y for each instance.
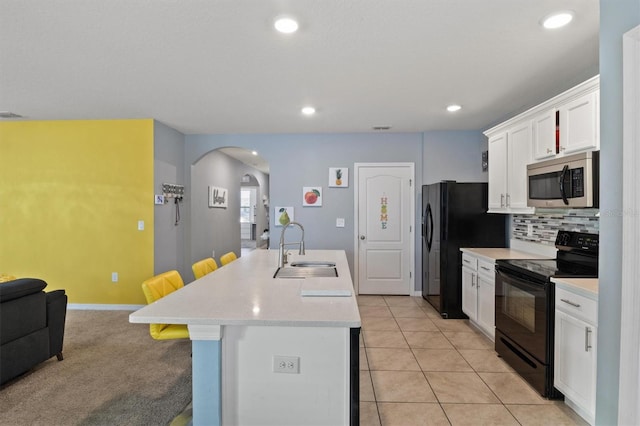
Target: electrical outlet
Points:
(286, 364)
(141, 225)
(213, 254)
(114, 277)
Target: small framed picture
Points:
(283, 215)
(218, 197)
(312, 196)
(338, 177)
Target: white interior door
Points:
(384, 232)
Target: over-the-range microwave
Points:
(566, 182)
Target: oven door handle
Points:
(563, 193)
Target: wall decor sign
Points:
(384, 215)
(338, 177)
(283, 215)
(218, 197)
(312, 196)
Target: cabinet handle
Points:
(549, 151)
(473, 280)
(501, 200)
(587, 343)
(562, 148)
(508, 200)
(466, 261)
(577, 305)
(485, 268)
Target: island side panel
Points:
(253, 394)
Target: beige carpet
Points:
(113, 373)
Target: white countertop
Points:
(587, 287)
(244, 292)
(493, 254)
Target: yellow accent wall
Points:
(71, 195)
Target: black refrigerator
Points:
(454, 215)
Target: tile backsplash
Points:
(543, 226)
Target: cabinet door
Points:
(544, 135)
(578, 124)
(498, 173)
(575, 361)
(486, 304)
(519, 155)
(469, 293)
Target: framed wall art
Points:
(312, 196)
(218, 197)
(283, 215)
(338, 177)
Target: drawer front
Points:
(488, 269)
(577, 305)
(470, 261)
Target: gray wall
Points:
(219, 228)
(616, 17)
(303, 160)
(453, 156)
(168, 167)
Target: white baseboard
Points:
(417, 293)
(102, 307)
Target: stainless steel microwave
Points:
(567, 182)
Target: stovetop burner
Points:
(547, 268)
(577, 257)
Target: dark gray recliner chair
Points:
(31, 325)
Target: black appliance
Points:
(525, 306)
(454, 215)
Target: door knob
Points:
(362, 237)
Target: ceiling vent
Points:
(381, 127)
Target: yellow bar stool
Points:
(156, 288)
(228, 258)
(204, 267)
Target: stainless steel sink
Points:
(306, 272)
(313, 264)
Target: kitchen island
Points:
(244, 325)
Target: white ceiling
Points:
(217, 66)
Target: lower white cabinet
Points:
(478, 292)
(575, 357)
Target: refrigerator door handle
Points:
(429, 236)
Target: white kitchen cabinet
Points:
(498, 173)
(575, 356)
(478, 293)
(531, 137)
(509, 154)
(544, 135)
(579, 124)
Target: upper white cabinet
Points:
(579, 124)
(565, 124)
(544, 135)
(509, 154)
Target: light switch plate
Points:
(340, 222)
(141, 225)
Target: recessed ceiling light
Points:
(557, 19)
(308, 110)
(286, 25)
(454, 108)
(254, 152)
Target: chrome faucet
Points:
(282, 256)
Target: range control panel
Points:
(567, 240)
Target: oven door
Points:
(522, 313)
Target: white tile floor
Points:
(419, 369)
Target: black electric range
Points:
(525, 305)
